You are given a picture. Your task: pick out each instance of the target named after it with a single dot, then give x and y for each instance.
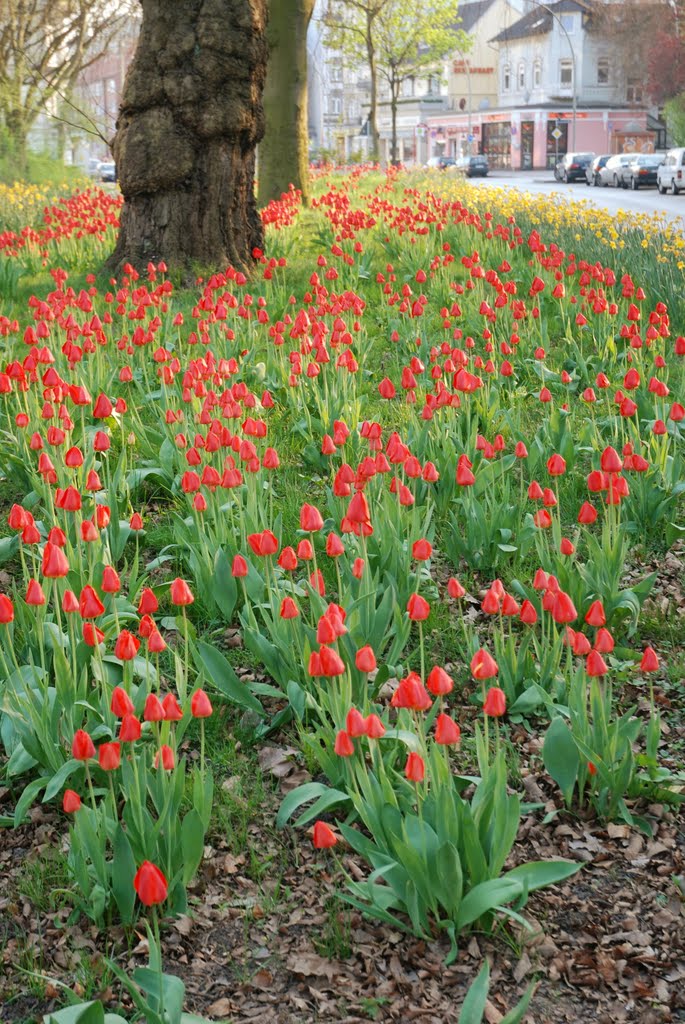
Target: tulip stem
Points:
(155, 926)
(90, 785)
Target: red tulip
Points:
(147, 603)
(71, 801)
(595, 664)
(200, 705)
(166, 756)
(180, 593)
(323, 837)
(418, 608)
(439, 682)
(495, 704)
(239, 568)
(90, 605)
(55, 564)
(172, 709)
(374, 727)
(365, 659)
(109, 756)
(422, 550)
(153, 710)
(447, 731)
(150, 884)
(556, 465)
(311, 519)
(355, 724)
(483, 665)
(595, 615)
(6, 610)
(343, 744)
(415, 769)
(130, 729)
(289, 609)
(120, 704)
(34, 594)
(455, 589)
(650, 661)
(82, 746)
(126, 646)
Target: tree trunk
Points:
(284, 151)
(373, 99)
(190, 119)
(394, 93)
(18, 133)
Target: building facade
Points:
(559, 88)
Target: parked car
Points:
(671, 173)
(473, 166)
(93, 168)
(611, 173)
(592, 170)
(640, 171)
(572, 167)
(441, 162)
(108, 171)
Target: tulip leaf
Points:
(473, 1007)
(323, 796)
(536, 874)
(26, 799)
(223, 585)
(123, 873)
(486, 897)
(560, 756)
(220, 673)
(82, 1013)
(192, 843)
(59, 778)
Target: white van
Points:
(671, 173)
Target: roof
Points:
(538, 21)
(471, 13)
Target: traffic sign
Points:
(469, 138)
(556, 134)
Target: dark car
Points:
(572, 167)
(441, 162)
(473, 166)
(641, 171)
(592, 171)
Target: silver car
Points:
(671, 173)
(611, 173)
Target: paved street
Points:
(645, 200)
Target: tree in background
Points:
(283, 152)
(44, 45)
(412, 40)
(351, 27)
(190, 120)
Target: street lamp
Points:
(537, 3)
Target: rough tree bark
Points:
(190, 119)
(283, 153)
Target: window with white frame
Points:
(603, 71)
(506, 78)
(336, 73)
(521, 74)
(634, 89)
(566, 74)
(568, 21)
(537, 74)
(334, 105)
